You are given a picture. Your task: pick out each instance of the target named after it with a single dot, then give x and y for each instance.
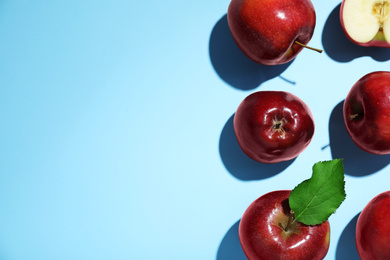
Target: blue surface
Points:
(116, 129)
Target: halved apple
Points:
(366, 22)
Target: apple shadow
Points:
(346, 247)
(233, 66)
(339, 48)
(356, 161)
(230, 247)
(239, 164)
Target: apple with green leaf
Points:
(271, 32)
(366, 22)
(373, 229)
(366, 112)
(294, 225)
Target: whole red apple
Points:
(367, 112)
(266, 231)
(373, 229)
(366, 22)
(270, 31)
(273, 126)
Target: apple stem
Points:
(353, 116)
(290, 220)
(308, 47)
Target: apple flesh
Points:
(366, 22)
(373, 229)
(269, 31)
(273, 126)
(267, 232)
(367, 112)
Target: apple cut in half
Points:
(366, 22)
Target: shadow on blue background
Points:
(233, 66)
(239, 164)
(356, 161)
(339, 48)
(346, 247)
(230, 247)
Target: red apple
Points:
(271, 32)
(366, 22)
(373, 229)
(266, 231)
(273, 126)
(367, 112)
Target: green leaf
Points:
(315, 199)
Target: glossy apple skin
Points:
(373, 229)
(259, 114)
(373, 43)
(369, 100)
(262, 238)
(265, 30)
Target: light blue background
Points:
(116, 134)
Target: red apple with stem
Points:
(294, 225)
(273, 126)
(373, 229)
(366, 22)
(367, 112)
(271, 32)
(267, 231)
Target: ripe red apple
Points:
(367, 112)
(266, 231)
(273, 126)
(366, 22)
(271, 32)
(373, 229)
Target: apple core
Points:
(380, 10)
(366, 22)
